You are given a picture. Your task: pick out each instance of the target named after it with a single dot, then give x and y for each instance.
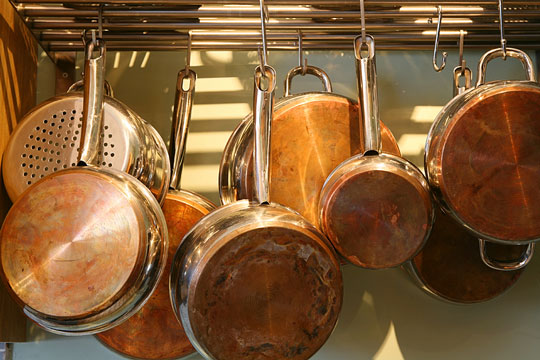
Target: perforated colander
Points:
(48, 138)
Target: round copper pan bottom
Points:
(274, 296)
(70, 243)
(154, 332)
(491, 164)
(450, 267)
(377, 218)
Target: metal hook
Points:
(264, 18)
(83, 37)
(188, 55)
(501, 28)
(100, 21)
(462, 62)
(301, 61)
(436, 67)
(363, 21)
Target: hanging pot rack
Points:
(235, 25)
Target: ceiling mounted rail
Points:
(220, 24)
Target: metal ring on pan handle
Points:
(460, 72)
(312, 70)
(79, 86)
(499, 53)
(510, 265)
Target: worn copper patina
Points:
(490, 163)
(270, 293)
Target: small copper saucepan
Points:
(255, 280)
(154, 332)
(483, 159)
(312, 133)
(83, 248)
(375, 208)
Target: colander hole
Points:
(62, 120)
(66, 138)
(33, 146)
(58, 153)
(105, 153)
(54, 116)
(104, 163)
(37, 157)
(23, 155)
(33, 175)
(64, 113)
(105, 144)
(31, 136)
(52, 124)
(45, 121)
(77, 132)
(29, 182)
(58, 135)
(25, 174)
(74, 138)
(41, 176)
(78, 149)
(39, 148)
(72, 118)
(56, 144)
(52, 152)
(64, 146)
(72, 164)
(70, 125)
(37, 167)
(73, 111)
(106, 127)
(110, 165)
(99, 152)
(37, 128)
(50, 160)
(23, 164)
(44, 131)
(58, 161)
(30, 156)
(46, 168)
(72, 144)
(26, 146)
(79, 125)
(112, 145)
(50, 132)
(59, 127)
(43, 140)
(50, 142)
(55, 169)
(110, 136)
(31, 166)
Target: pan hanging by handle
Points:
(375, 207)
(83, 248)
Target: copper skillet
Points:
(375, 208)
(154, 332)
(83, 248)
(255, 280)
(482, 158)
(312, 133)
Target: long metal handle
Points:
(312, 70)
(183, 102)
(499, 52)
(263, 105)
(92, 117)
(511, 265)
(366, 77)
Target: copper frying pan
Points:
(375, 207)
(255, 280)
(83, 248)
(312, 133)
(483, 156)
(154, 332)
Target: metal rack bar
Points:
(220, 24)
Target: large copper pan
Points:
(154, 332)
(375, 208)
(312, 133)
(450, 268)
(83, 248)
(255, 280)
(483, 156)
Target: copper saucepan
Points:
(312, 133)
(256, 280)
(154, 332)
(375, 207)
(83, 248)
(483, 158)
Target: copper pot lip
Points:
(359, 164)
(436, 141)
(107, 316)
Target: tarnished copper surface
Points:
(269, 293)
(450, 266)
(70, 243)
(491, 164)
(377, 217)
(154, 332)
(311, 135)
